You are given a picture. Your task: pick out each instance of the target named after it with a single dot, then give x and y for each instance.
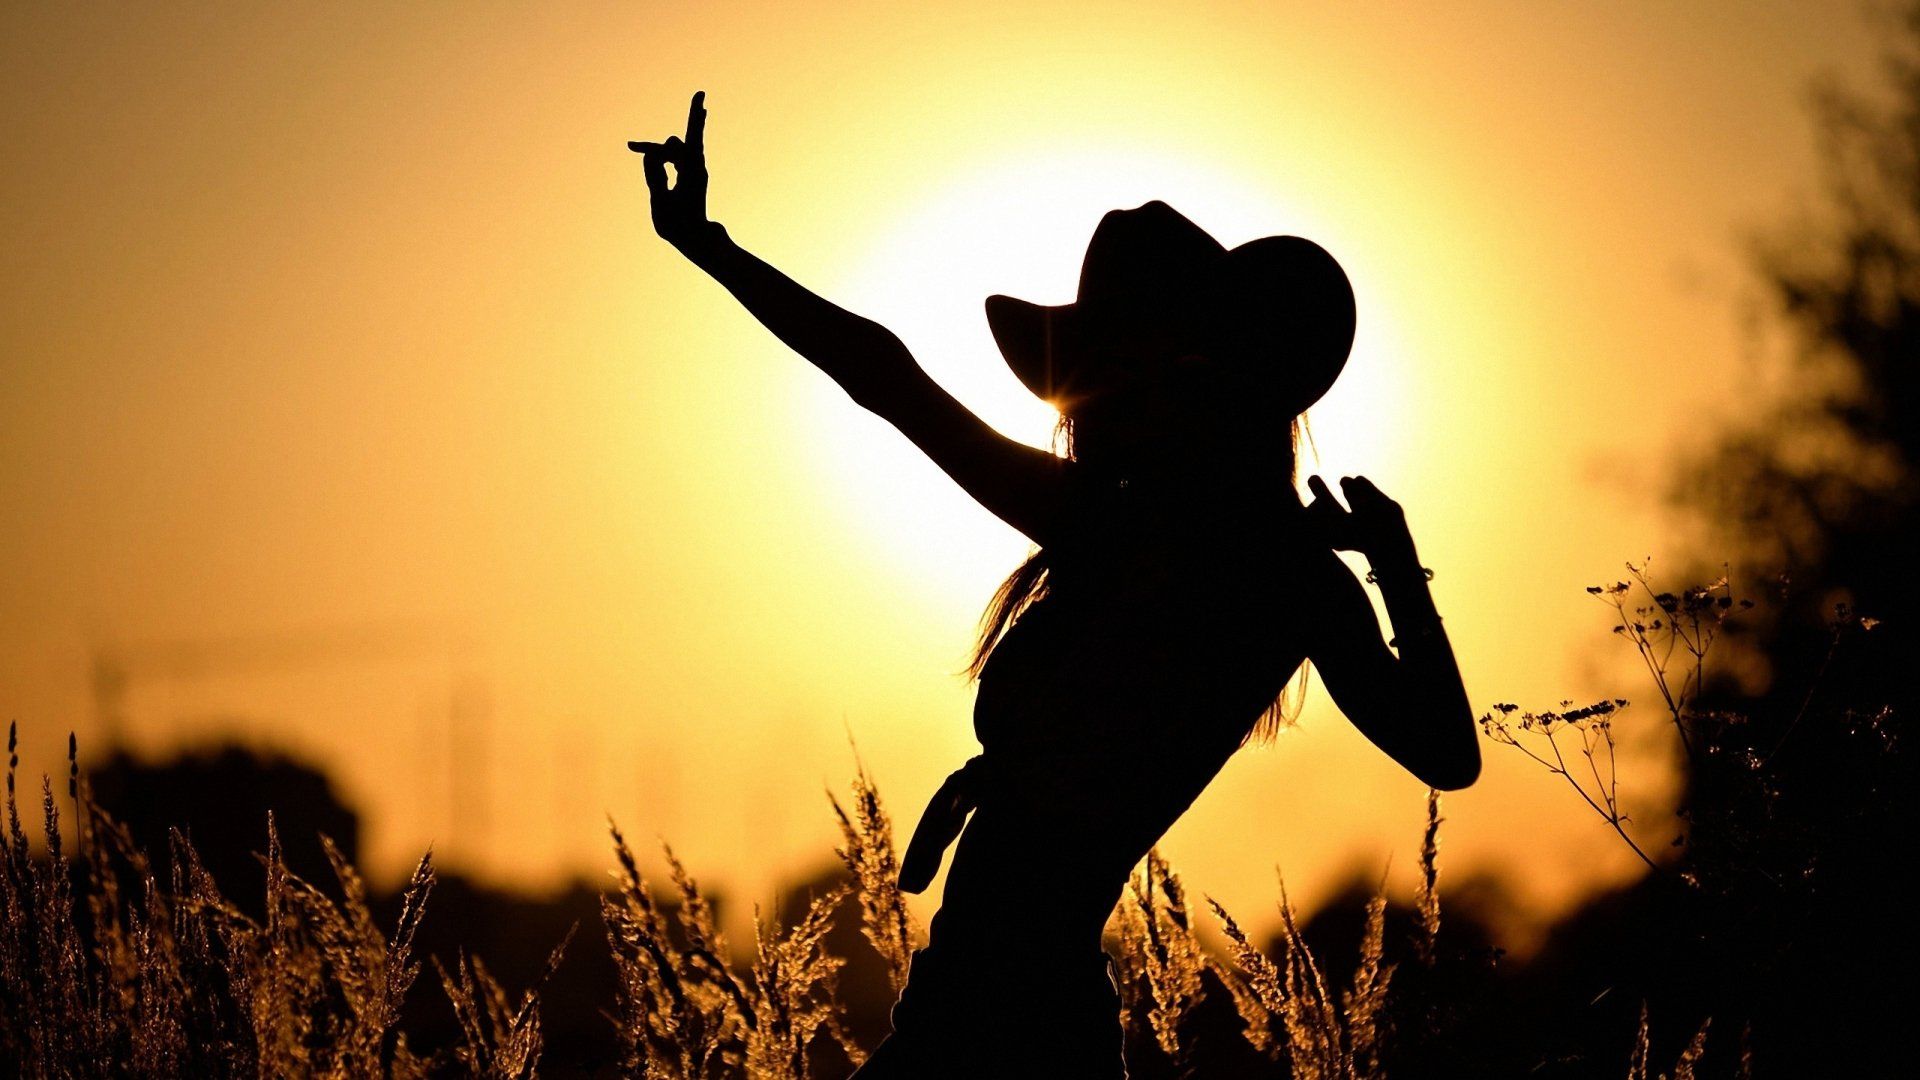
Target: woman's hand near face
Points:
(1375, 526)
(1414, 705)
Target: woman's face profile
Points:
(1148, 394)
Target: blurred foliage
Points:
(1774, 910)
(1821, 486)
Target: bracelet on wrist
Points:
(1373, 576)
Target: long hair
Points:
(1028, 584)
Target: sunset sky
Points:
(336, 347)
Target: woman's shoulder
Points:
(1088, 494)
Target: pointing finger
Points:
(697, 121)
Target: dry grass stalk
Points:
(1663, 628)
(1638, 1063)
(793, 982)
(1690, 1057)
(1257, 985)
(1539, 735)
(684, 1013)
(1161, 960)
(165, 977)
(677, 1018)
(1642, 1049)
(1365, 1000)
(170, 979)
(1308, 1015)
(868, 853)
(1323, 1038)
(497, 1040)
(1426, 941)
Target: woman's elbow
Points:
(1456, 772)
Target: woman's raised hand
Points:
(679, 211)
(1374, 527)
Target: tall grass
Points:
(111, 967)
(107, 971)
(867, 851)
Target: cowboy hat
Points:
(1279, 308)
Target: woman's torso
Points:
(1168, 627)
(1169, 622)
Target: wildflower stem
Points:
(1610, 812)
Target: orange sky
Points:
(347, 325)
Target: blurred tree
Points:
(1781, 914)
(219, 796)
(1802, 809)
(1822, 486)
(1819, 495)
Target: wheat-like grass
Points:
(675, 1019)
(1427, 940)
(1639, 1062)
(1324, 1036)
(164, 977)
(685, 1013)
(1642, 1049)
(1364, 1002)
(793, 979)
(1161, 960)
(867, 850)
(1690, 1057)
(499, 1041)
(1308, 1014)
(1257, 985)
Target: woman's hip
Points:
(968, 1013)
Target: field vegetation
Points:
(115, 963)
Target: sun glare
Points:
(1019, 226)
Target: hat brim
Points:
(1041, 343)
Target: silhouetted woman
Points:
(1177, 584)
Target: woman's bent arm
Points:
(1413, 706)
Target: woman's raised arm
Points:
(1413, 706)
(1018, 483)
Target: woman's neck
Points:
(1233, 461)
